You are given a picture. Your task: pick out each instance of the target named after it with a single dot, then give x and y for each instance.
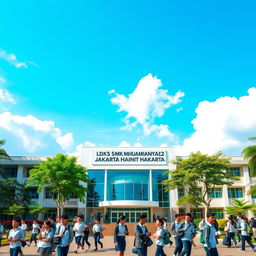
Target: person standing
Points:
(79, 228)
(120, 232)
(97, 229)
(45, 238)
(66, 234)
(141, 236)
(189, 232)
(34, 233)
(159, 235)
(244, 233)
(1, 233)
(53, 224)
(230, 229)
(177, 236)
(15, 237)
(210, 237)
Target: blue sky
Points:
(76, 63)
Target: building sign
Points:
(129, 157)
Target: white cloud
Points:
(79, 148)
(146, 103)
(179, 109)
(224, 124)
(5, 95)
(31, 130)
(127, 144)
(12, 59)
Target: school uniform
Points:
(210, 245)
(45, 248)
(119, 237)
(79, 226)
(160, 242)
(66, 240)
(15, 247)
(34, 233)
(97, 228)
(177, 237)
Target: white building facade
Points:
(127, 181)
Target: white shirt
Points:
(16, 234)
(58, 225)
(79, 228)
(201, 224)
(46, 235)
(244, 228)
(24, 226)
(65, 238)
(165, 226)
(121, 230)
(35, 228)
(231, 227)
(97, 227)
(160, 232)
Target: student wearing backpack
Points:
(120, 232)
(244, 232)
(159, 235)
(177, 236)
(188, 233)
(230, 229)
(79, 228)
(65, 233)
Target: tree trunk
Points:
(207, 206)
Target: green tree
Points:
(250, 154)
(36, 210)
(198, 175)
(239, 207)
(62, 177)
(3, 154)
(15, 209)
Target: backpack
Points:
(248, 229)
(166, 237)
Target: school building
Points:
(127, 181)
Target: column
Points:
(20, 174)
(105, 185)
(150, 186)
(225, 198)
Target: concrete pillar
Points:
(225, 198)
(150, 186)
(20, 174)
(105, 185)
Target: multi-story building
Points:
(127, 181)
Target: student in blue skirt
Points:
(120, 232)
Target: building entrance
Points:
(132, 214)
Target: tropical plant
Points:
(239, 207)
(250, 154)
(36, 210)
(15, 209)
(3, 154)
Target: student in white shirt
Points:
(1, 233)
(15, 237)
(24, 226)
(159, 235)
(120, 232)
(97, 229)
(79, 228)
(45, 239)
(34, 233)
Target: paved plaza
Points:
(109, 251)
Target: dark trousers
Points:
(33, 238)
(178, 246)
(85, 240)
(231, 235)
(239, 235)
(212, 252)
(248, 240)
(143, 251)
(97, 240)
(160, 251)
(187, 245)
(62, 251)
(15, 251)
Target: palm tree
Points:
(239, 207)
(3, 154)
(250, 154)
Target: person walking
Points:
(34, 233)
(79, 228)
(141, 236)
(1, 233)
(210, 238)
(24, 227)
(201, 227)
(189, 232)
(177, 236)
(16, 235)
(97, 229)
(120, 232)
(86, 236)
(230, 229)
(44, 239)
(253, 225)
(64, 232)
(159, 235)
(244, 233)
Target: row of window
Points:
(198, 213)
(217, 192)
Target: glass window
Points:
(235, 171)
(215, 192)
(235, 193)
(197, 213)
(33, 193)
(10, 171)
(219, 212)
(181, 192)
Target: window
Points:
(26, 172)
(197, 213)
(235, 171)
(33, 193)
(10, 171)
(47, 194)
(182, 211)
(215, 192)
(235, 193)
(218, 212)
(181, 192)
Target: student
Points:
(34, 233)
(230, 229)
(141, 236)
(177, 236)
(210, 237)
(159, 235)
(189, 232)
(53, 224)
(97, 229)
(1, 233)
(79, 228)
(86, 236)
(15, 237)
(120, 232)
(244, 233)
(165, 225)
(24, 227)
(45, 238)
(58, 222)
(201, 228)
(64, 231)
